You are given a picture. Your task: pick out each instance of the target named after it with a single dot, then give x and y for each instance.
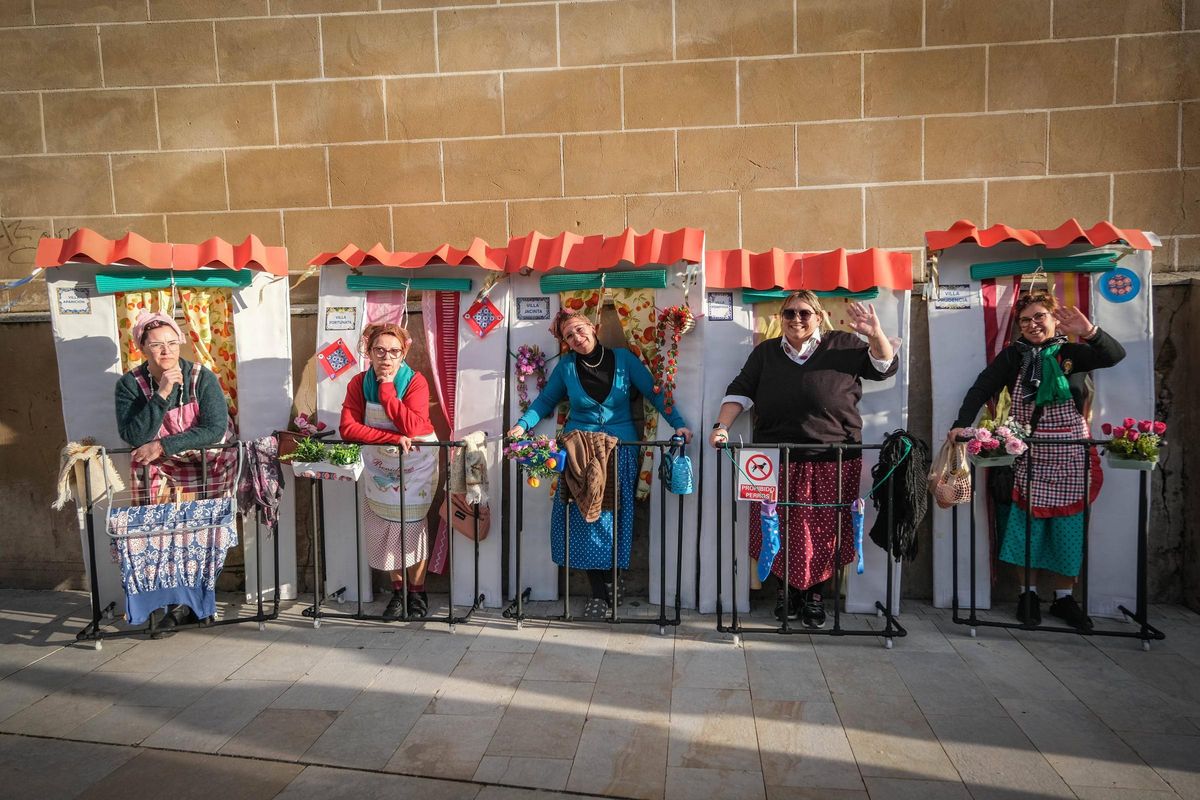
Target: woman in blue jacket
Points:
(598, 381)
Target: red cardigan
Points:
(409, 414)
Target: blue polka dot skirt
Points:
(591, 542)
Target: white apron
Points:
(395, 541)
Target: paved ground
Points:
(490, 712)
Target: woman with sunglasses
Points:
(169, 409)
(1046, 377)
(804, 387)
(387, 409)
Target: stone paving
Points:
(561, 710)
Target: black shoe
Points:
(794, 600)
(813, 612)
(183, 615)
(1066, 609)
(418, 605)
(164, 624)
(395, 607)
(1029, 609)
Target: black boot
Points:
(1029, 608)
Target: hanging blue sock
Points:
(770, 540)
(857, 510)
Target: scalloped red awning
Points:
(89, 247)
(478, 254)
(821, 272)
(1069, 232)
(587, 253)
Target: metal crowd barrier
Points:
(317, 613)
(892, 628)
(94, 633)
(516, 608)
(1146, 632)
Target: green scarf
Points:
(1053, 388)
(400, 381)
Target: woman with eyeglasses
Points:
(599, 382)
(387, 409)
(1046, 377)
(804, 388)
(169, 409)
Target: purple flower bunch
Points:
(538, 457)
(531, 361)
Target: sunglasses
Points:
(802, 314)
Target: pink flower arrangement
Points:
(994, 439)
(1138, 440)
(531, 361)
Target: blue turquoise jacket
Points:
(613, 416)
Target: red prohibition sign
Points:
(759, 467)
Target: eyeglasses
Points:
(1039, 318)
(161, 347)
(803, 314)
(383, 352)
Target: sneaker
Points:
(1029, 608)
(794, 600)
(596, 608)
(1066, 609)
(418, 605)
(395, 606)
(813, 612)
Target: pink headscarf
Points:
(565, 314)
(149, 320)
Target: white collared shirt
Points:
(802, 355)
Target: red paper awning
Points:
(89, 247)
(1070, 232)
(819, 272)
(478, 254)
(588, 253)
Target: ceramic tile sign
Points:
(341, 318)
(74, 300)
(758, 477)
(720, 306)
(533, 308)
(954, 296)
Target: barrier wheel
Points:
(109, 615)
(972, 633)
(262, 626)
(1145, 645)
(451, 627)
(99, 645)
(737, 640)
(887, 644)
(879, 613)
(519, 625)
(316, 623)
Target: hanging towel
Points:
(469, 469)
(260, 484)
(74, 458)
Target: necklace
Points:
(598, 361)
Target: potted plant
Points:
(303, 425)
(996, 444)
(1134, 444)
(317, 460)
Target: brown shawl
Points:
(585, 478)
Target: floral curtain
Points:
(209, 315)
(638, 315)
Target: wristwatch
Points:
(719, 426)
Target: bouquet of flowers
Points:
(994, 440)
(1134, 440)
(538, 457)
(531, 362)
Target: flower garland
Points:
(674, 322)
(531, 361)
(538, 457)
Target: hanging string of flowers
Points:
(672, 323)
(531, 363)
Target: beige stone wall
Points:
(804, 124)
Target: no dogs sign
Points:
(758, 479)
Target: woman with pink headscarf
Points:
(168, 410)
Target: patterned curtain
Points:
(209, 315)
(635, 308)
(129, 306)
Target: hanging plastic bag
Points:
(950, 477)
(770, 540)
(857, 510)
(675, 470)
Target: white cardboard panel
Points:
(957, 356)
